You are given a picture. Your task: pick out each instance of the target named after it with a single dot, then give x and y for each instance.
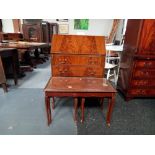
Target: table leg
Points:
(75, 109)
(101, 102)
(4, 87)
(110, 108)
(48, 110)
(82, 109)
(53, 103)
(14, 69)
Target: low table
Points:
(79, 87)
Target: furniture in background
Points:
(82, 87)
(27, 47)
(12, 54)
(39, 31)
(1, 27)
(111, 37)
(17, 25)
(2, 77)
(112, 63)
(137, 66)
(53, 29)
(32, 32)
(12, 36)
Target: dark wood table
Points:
(24, 45)
(10, 52)
(27, 47)
(76, 87)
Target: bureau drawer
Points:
(78, 60)
(77, 71)
(143, 83)
(145, 64)
(144, 74)
(142, 92)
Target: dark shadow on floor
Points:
(136, 117)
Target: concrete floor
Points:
(22, 109)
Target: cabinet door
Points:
(32, 32)
(147, 38)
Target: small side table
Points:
(79, 87)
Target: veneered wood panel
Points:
(137, 71)
(78, 44)
(77, 59)
(77, 71)
(147, 40)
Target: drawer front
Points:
(144, 74)
(77, 71)
(142, 92)
(143, 83)
(145, 64)
(78, 60)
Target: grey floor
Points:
(22, 112)
(136, 117)
(22, 109)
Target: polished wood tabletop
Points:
(23, 45)
(79, 84)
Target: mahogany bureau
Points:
(78, 56)
(77, 64)
(137, 72)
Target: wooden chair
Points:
(112, 67)
(2, 77)
(112, 59)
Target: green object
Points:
(81, 24)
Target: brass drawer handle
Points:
(63, 70)
(140, 83)
(60, 59)
(147, 73)
(143, 91)
(147, 64)
(92, 61)
(91, 71)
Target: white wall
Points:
(7, 25)
(101, 27)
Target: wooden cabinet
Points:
(53, 29)
(40, 31)
(12, 36)
(137, 71)
(78, 56)
(33, 32)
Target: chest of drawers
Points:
(78, 56)
(138, 78)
